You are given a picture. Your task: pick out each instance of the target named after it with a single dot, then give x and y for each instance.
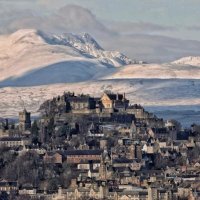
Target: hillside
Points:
(148, 92)
(157, 71)
(36, 66)
(30, 57)
(190, 60)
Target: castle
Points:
(85, 104)
(110, 106)
(24, 120)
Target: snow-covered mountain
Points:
(157, 71)
(88, 46)
(190, 60)
(38, 58)
(52, 64)
(30, 57)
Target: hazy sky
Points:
(178, 19)
(182, 15)
(168, 12)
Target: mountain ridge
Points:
(38, 66)
(84, 43)
(28, 50)
(189, 60)
(70, 58)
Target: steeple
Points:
(103, 168)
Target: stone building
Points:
(114, 102)
(69, 102)
(160, 133)
(13, 141)
(145, 117)
(138, 151)
(81, 193)
(8, 186)
(24, 120)
(78, 156)
(81, 103)
(95, 130)
(54, 158)
(4, 128)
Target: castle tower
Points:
(138, 152)
(152, 193)
(103, 191)
(104, 143)
(131, 151)
(24, 120)
(103, 169)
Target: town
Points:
(84, 147)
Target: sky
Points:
(165, 12)
(174, 20)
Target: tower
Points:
(138, 151)
(152, 193)
(104, 144)
(103, 169)
(24, 120)
(131, 154)
(105, 160)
